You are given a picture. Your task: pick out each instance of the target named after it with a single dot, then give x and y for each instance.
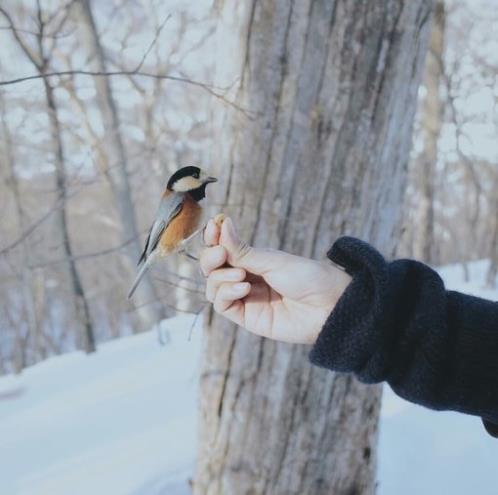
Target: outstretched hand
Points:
(270, 293)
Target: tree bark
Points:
(148, 310)
(431, 122)
(329, 91)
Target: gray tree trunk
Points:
(149, 310)
(331, 90)
(40, 60)
(431, 122)
(20, 358)
(61, 218)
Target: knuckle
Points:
(242, 251)
(210, 260)
(222, 297)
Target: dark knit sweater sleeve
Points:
(396, 322)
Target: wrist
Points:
(336, 281)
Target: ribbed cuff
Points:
(396, 322)
(352, 338)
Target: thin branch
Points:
(85, 256)
(134, 72)
(59, 25)
(178, 286)
(168, 305)
(58, 205)
(33, 33)
(25, 48)
(206, 87)
(152, 43)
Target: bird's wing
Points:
(168, 209)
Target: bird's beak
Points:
(208, 180)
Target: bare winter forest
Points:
(84, 158)
(100, 102)
(375, 119)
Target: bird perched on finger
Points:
(177, 218)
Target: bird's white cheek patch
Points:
(186, 184)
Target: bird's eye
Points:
(196, 175)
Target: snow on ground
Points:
(123, 421)
(427, 452)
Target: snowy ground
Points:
(123, 421)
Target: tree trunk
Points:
(81, 303)
(431, 122)
(20, 359)
(148, 309)
(329, 91)
(40, 60)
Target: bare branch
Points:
(178, 286)
(172, 306)
(152, 43)
(58, 205)
(204, 86)
(85, 256)
(212, 90)
(25, 48)
(33, 33)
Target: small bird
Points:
(177, 218)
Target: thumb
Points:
(241, 255)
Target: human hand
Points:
(270, 293)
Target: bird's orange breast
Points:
(181, 227)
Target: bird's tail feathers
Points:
(141, 272)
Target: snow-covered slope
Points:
(123, 421)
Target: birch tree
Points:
(328, 92)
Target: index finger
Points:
(211, 234)
(212, 258)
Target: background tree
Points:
(40, 57)
(150, 36)
(331, 89)
(449, 202)
(116, 166)
(431, 122)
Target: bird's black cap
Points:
(189, 171)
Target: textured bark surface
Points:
(431, 122)
(331, 89)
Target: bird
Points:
(177, 219)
